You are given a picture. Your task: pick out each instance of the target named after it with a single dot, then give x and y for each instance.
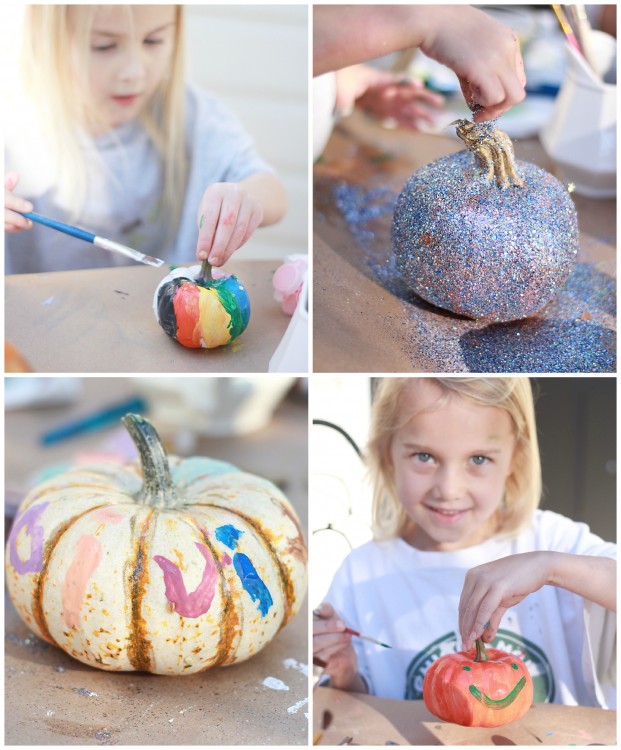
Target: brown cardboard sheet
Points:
(102, 320)
(380, 721)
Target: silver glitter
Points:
(482, 252)
(583, 313)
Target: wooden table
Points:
(102, 320)
(359, 325)
(52, 699)
(381, 721)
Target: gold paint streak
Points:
(139, 651)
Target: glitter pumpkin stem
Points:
(492, 149)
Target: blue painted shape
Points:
(252, 583)
(228, 535)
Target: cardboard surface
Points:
(102, 320)
(380, 721)
(359, 325)
(52, 699)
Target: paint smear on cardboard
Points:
(275, 684)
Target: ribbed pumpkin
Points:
(171, 566)
(199, 311)
(478, 688)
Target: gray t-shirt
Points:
(123, 198)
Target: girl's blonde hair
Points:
(50, 33)
(514, 395)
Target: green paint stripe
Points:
(501, 702)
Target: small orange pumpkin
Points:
(478, 688)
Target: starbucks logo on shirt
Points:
(536, 662)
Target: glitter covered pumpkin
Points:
(484, 238)
(478, 688)
(199, 311)
(171, 566)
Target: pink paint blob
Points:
(87, 557)
(108, 514)
(197, 602)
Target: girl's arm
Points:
(490, 589)
(229, 213)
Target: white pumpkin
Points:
(171, 566)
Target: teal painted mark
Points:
(196, 467)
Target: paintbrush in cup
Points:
(102, 242)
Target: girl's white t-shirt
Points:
(409, 599)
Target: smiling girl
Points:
(460, 551)
(108, 136)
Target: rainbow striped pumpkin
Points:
(171, 566)
(199, 312)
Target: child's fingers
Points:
(240, 232)
(207, 228)
(227, 221)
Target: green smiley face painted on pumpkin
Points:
(500, 703)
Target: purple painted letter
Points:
(197, 602)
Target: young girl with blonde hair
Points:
(461, 551)
(109, 137)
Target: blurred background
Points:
(256, 423)
(576, 423)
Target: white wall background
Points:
(255, 59)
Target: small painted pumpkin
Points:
(478, 688)
(171, 566)
(200, 311)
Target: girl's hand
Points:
(384, 95)
(490, 589)
(483, 53)
(333, 647)
(14, 222)
(227, 217)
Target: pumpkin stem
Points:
(481, 652)
(205, 272)
(158, 489)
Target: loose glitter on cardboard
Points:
(451, 343)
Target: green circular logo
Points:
(536, 662)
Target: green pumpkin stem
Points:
(158, 489)
(205, 272)
(481, 652)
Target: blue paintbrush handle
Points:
(81, 234)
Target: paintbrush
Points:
(567, 30)
(351, 631)
(82, 234)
